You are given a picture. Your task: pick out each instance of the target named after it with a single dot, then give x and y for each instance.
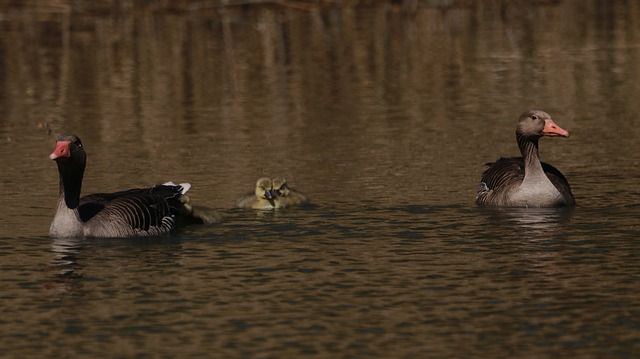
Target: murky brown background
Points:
(383, 113)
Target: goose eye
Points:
(534, 117)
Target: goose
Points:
(140, 212)
(525, 181)
(285, 196)
(261, 198)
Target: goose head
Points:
(534, 124)
(68, 149)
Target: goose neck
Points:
(70, 183)
(529, 150)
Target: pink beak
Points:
(62, 150)
(553, 130)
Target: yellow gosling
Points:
(261, 198)
(285, 196)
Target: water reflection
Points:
(535, 223)
(66, 277)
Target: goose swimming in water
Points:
(140, 212)
(525, 181)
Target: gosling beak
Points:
(268, 194)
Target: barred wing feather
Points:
(135, 212)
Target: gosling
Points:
(261, 198)
(286, 197)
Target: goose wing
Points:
(503, 173)
(140, 211)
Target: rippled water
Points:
(384, 118)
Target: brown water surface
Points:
(384, 118)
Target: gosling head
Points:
(264, 190)
(280, 187)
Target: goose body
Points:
(525, 181)
(261, 198)
(285, 196)
(138, 212)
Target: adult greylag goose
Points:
(137, 212)
(285, 196)
(525, 181)
(261, 198)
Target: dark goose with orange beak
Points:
(525, 181)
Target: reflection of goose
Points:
(65, 250)
(133, 213)
(67, 276)
(525, 181)
(261, 198)
(535, 221)
(285, 196)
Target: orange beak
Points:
(553, 130)
(62, 150)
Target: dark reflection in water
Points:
(383, 117)
(535, 223)
(67, 281)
